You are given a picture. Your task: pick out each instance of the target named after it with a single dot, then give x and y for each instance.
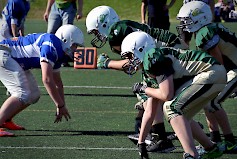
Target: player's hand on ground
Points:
(139, 88)
(103, 61)
(143, 151)
(60, 113)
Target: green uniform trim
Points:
(206, 34)
(215, 34)
(182, 64)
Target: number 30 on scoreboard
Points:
(85, 57)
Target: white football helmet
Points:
(194, 15)
(98, 22)
(70, 35)
(134, 47)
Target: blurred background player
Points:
(221, 43)
(223, 8)
(158, 13)
(43, 51)
(61, 12)
(13, 18)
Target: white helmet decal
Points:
(98, 22)
(194, 15)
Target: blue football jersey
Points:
(15, 12)
(31, 49)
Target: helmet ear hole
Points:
(104, 25)
(64, 40)
(141, 49)
(138, 43)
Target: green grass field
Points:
(101, 106)
(124, 8)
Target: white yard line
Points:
(94, 87)
(178, 148)
(82, 111)
(69, 148)
(89, 111)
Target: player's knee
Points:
(213, 107)
(28, 97)
(35, 99)
(35, 96)
(169, 112)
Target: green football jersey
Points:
(119, 30)
(150, 81)
(216, 34)
(182, 64)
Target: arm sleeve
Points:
(207, 38)
(48, 54)
(158, 69)
(165, 36)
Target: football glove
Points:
(141, 97)
(139, 88)
(103, 61)
(142, 151)
(139, 106)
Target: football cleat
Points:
(187, 156)
(4, 133)
(230, 148)
(134, 138)
(162, 146)
(151, 138)
(12, 126)
(200, 149)
(215, 152)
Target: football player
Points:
(187, 80)
(187, 36)
(221, 43)
(13, 18)
(43, 51)
(104, 23)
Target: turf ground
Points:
(101, 106)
